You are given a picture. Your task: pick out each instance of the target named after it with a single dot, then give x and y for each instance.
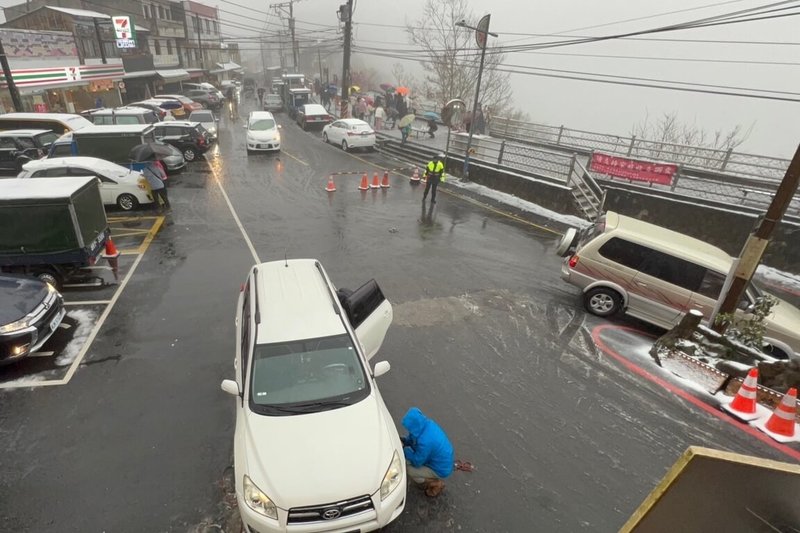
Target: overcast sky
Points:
(595, 106)
(613, 108)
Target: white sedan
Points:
(349, 133)
(119, 186)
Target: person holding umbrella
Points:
(405, 125)
(152, 153)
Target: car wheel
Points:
(324, 137)
(49, 277)
(189, 154)
(127, 202)
(602, 301)
(344, 146)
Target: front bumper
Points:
(383, 513)
(264, 145)
(47, 317)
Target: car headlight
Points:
(15, 326)
(258, 501)
(392, 477)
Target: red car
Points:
(189, 105)
(312, 115)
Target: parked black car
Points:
(17, 147)
(188, 137)
(30, 311)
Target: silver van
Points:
(624, 265)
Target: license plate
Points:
(57, 320)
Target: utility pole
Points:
(12, 87)
(200, 42)
(99, 41)
(745, 266)
(294, 40)
(319, 60)
(346, 15)
(481, 37)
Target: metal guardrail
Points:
(723, 161)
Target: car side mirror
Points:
(381, 367)
(231, 387)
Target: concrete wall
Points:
(727, 229)
(543, 192)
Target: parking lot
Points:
(87, 309)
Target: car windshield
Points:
(263, 124)
(201, 116)
(306, 376)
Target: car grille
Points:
(330, 511)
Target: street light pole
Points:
(12, 87)
(481, 36)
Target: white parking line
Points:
(235, 216)
(42, 354)
(89, 302)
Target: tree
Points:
(452, 57)
(672, 139)
(402, 77)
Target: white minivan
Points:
(625, 265)
(262, 132)
(315, 448)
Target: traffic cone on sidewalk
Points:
(781, 425)
(364, 183)
(415, 176)
(385, 183)
(376, 182)
(111, 254)
(331, 187)
(743, 405)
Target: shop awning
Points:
(173, 75)
(226, 67)
(195, 72)
(139, 74)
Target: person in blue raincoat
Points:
(429, 454)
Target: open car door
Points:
(370, 314)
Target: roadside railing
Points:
(711, 159)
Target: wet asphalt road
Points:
(486, 339)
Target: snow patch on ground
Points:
(86, 320)
(518, 203)
(25, 380)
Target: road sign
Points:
(481, 31)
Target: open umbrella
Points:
(388, 87)
(432, 115)
(406, 120)
(403, 91)
(150, 152)
(355, 89)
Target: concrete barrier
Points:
(726, 228)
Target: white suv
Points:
(315, 448)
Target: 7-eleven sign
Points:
(123, 27)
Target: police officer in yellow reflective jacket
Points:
(434, 173)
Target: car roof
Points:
(672, 242)
(295, 302)
(122, 111)
(176, 123)
(260, 114)
(9, 133)
(115, 128)
(315, 107)
(78, 161)
(74, 121)
(177, 97)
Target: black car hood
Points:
(19, 296)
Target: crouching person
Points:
(429, 454)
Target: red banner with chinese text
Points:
(633, 169)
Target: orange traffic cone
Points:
(111, 255)
(376, 182)
(331, 186)
(743, 405)
(415, 176)
(781, 424)
(385, 182)
(364, 183)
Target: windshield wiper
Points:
(322, 405)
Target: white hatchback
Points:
(262, 132)
(315, 448)
(119, 186)
(349, 133)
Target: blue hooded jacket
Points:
(429, 445)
